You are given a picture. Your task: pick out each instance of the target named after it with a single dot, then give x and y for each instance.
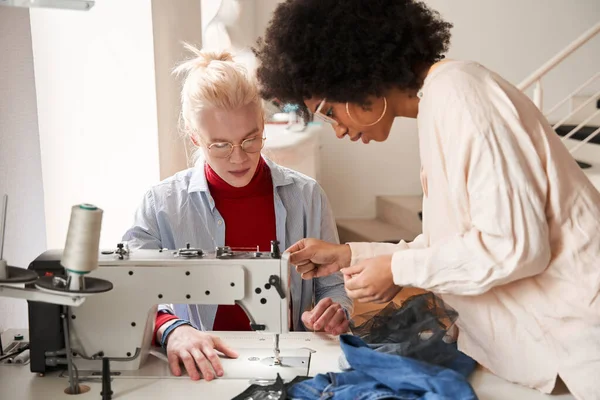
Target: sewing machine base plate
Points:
(254, 363)
(324, 359)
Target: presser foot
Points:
(287, 362)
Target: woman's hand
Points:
(326, 316)
(315, 258)
(196, 349)
(371, 280)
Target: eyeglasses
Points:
(225, 149)
(327, 117)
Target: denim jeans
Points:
(376, 375)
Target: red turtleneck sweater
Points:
(249, 215)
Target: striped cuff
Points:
(170, 328)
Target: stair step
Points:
(581, 134)
(401, 211)
(371, 230)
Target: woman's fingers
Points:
(327, 316)
(190, 364)
(174, 363)
(202, 363)
(338, 323)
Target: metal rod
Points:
(73, 381)
(576, 110)
(538, 95)
(276, 359)
(581, 125)
(587, 139)
(38, 295)
(106, 387)
(3, 224)
(577, 43)
(573, 93)
(314, 298)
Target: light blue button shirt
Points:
(181, 210)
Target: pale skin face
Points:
(233, 126)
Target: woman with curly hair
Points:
(510, 236)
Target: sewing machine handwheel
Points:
(92, 286)
(19, 275)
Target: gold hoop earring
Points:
(378, 119)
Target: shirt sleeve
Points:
(144, 234)
(364, 250)
(497, 190)
(333, 285)
(161, 319)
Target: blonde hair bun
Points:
(213, 80)
(216, 56)
(202, 59)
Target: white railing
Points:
(536, 79)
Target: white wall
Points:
(512, 37)
(97, 111)
(20, 165)
(93, 130)
(516, 37)
(173, 22)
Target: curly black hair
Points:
(347, 50)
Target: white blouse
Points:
(510, 232)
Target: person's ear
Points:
(195, 140)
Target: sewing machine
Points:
(92, 311)
(119, 323)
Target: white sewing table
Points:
(153, 381)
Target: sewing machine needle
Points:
(276, 359)
(314, 298)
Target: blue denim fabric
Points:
(377, 375)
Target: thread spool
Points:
(80, 255)
(3, 270)
(22, 358)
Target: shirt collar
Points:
(280, 176)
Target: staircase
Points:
(580, 127)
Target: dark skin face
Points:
(356, 121)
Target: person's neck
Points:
(259, 184)
(405, 103)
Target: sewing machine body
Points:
(119, 323)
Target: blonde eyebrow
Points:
(252, 132)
